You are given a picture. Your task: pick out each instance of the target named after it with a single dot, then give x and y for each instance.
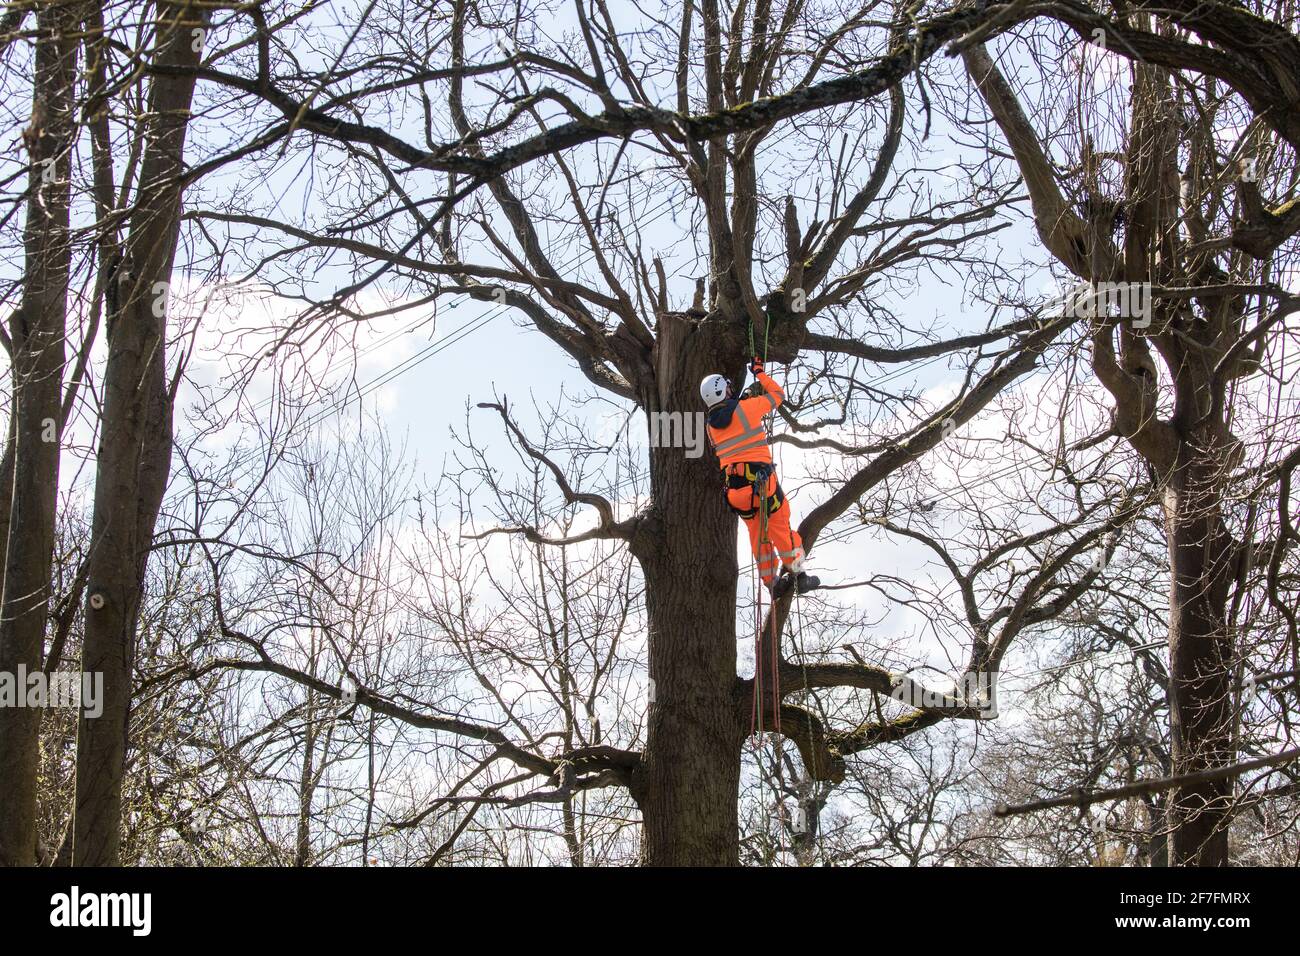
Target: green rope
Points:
(767, 328)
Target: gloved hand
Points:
(756, 366)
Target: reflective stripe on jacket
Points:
(742, 437)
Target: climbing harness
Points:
(754, 476)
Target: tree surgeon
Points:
(752, 490)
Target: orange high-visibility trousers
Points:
(766, 517)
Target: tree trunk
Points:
(1200, 663)
(134, 452)
(37, 331)
(688, 783)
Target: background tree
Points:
(1158, 191)
(30, 466)
(135, 436)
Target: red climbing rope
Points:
(758, 668)
(759, 498)
(776, 676)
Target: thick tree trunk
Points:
(1200, 663)
(135, 445)
(37, 331)
(689, 780)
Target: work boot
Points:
(807, 582)
(782, 585)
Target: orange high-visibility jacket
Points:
(736, 427)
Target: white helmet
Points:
(714, 389)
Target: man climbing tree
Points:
(753, 492)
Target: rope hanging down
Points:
(758, 492)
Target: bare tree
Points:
(135, 428)
(1150, 194)
(30, 467)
